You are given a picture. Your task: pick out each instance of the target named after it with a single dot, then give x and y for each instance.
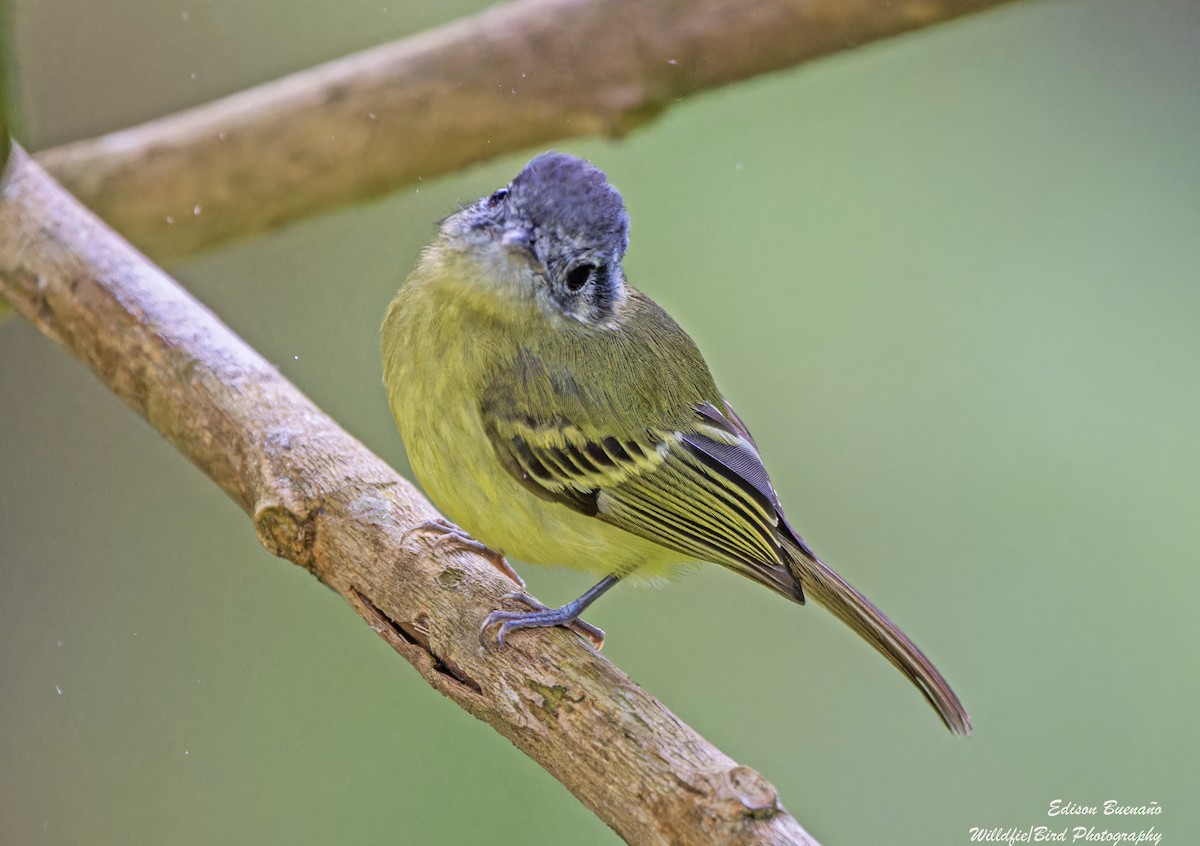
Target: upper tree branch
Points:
(510, 78)
(322, 500)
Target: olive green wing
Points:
(700, 489)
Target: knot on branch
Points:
(755, 795)
(286, 530)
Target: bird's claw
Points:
(542, 616)
(449, 533)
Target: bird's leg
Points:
(544, 617)
(449, 533)
(578, 625)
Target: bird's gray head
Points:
(562, 220)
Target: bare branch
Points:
(322, 500)
(513, 77)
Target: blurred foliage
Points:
(949, 280)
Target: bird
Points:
(552, 410)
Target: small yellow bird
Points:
(556, 412)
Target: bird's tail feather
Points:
(855, 610)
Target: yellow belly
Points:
(433, 377)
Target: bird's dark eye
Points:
(579, 275)
(497, 198)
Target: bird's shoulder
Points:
(639, 372)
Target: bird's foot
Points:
(542, 616)
(448, 533)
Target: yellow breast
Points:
(439, 350)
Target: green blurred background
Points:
(951, 281)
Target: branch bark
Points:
(513, 77)
(320, 499)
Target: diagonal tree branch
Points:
(513, 77)
(320, 499)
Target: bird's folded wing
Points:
(700, 489)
